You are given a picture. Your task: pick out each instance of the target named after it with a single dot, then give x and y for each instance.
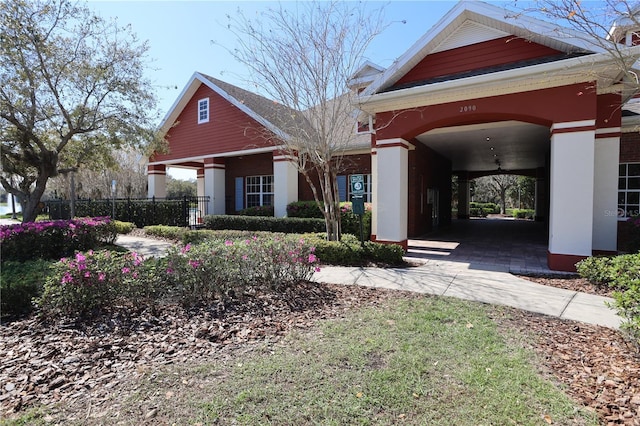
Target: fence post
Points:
(185, 211)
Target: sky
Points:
(190, 36)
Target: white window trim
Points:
(626, 190)
(200, 102)
(260, 193)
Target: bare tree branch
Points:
(302, 55)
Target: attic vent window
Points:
(203, 110)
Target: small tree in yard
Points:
(71, 90)
(490, 188)
(302, 57)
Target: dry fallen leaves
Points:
(86, 364)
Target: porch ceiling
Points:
(512, 145)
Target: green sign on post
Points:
(357, 185)
(357, 200)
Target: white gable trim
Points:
(178, 105)
(469, 33)
(489, 16)
(189, 90)
(266, 123)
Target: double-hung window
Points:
(203, 111)
(629, 190)
(259, 191)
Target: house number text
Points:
(467, 108)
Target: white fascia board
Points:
(462, 10)
(179, 104)
(380, 102)
(221, 155)
(242, 107)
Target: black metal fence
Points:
(185, 211)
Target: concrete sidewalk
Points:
(487, 283)
(452, 279)
(147, 247)
(494, 287)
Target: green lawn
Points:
(423, 361)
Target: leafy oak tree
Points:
(302, 55)
(72, 90)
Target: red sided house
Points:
(480, 93)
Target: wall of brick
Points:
(427, 169)
(245, 165)
(630, 148)
(351, 164)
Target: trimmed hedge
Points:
(349, 221)
(286, 225)
(523, 213)
(349, 251)
(186, 235)
(142, 212)
(123, 227)
(622, 273)
(258, 211)
(483, 209)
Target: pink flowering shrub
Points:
(87, 282)
(216, 269)
(53, 239)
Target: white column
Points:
(374, 193)
(571, 198)
(200, 183)
(605, 190)
(214, 174)
(391, 187)
(157, 181)
(285, 183)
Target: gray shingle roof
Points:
(279, 115)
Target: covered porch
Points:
(493, 243)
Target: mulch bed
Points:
(68, 366)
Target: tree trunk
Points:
(331, 208)
(30, 204)
(30, 208)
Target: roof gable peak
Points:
(471, 22)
